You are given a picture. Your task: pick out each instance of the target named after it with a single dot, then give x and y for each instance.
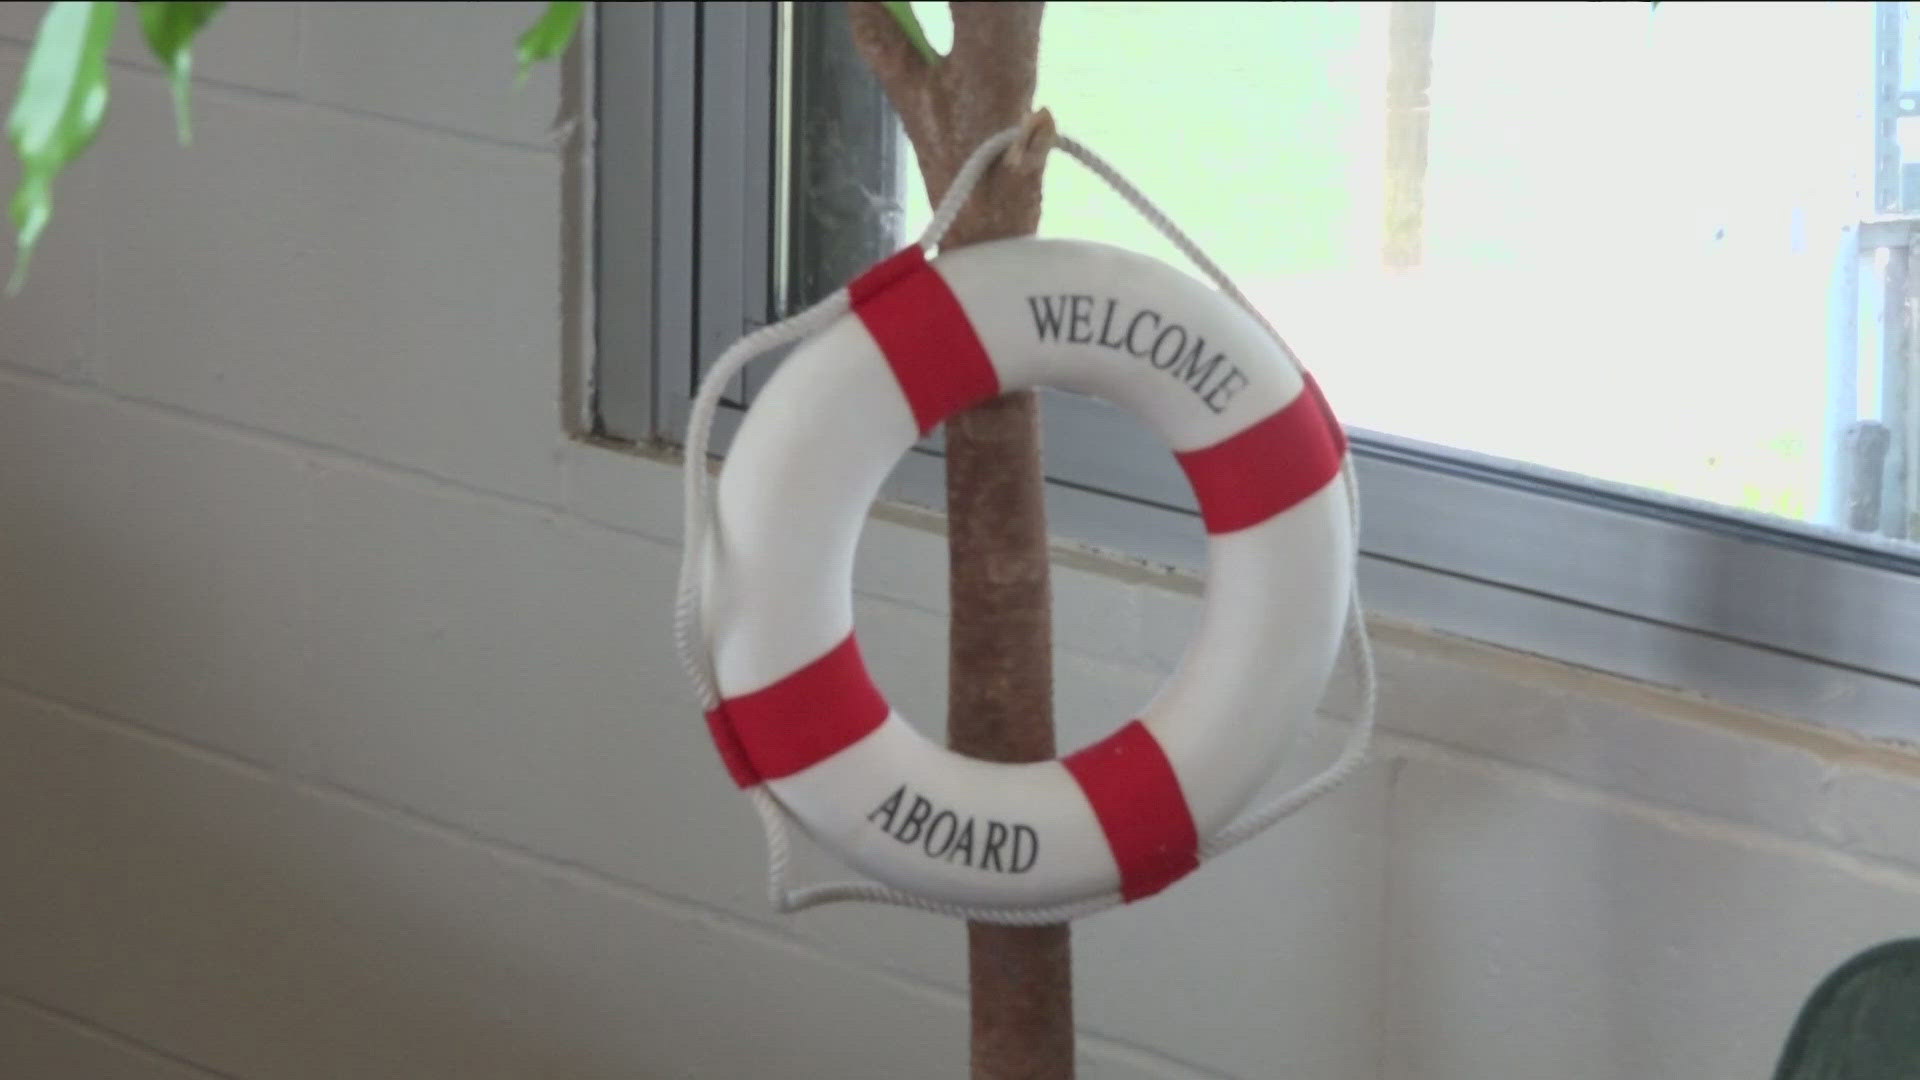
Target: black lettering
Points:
(1106, 324)
(1220, 395)
(963, 843)
(889, 808)
(934, 850)
(1047, 315)
(1133, 327)
(949, 835)
(915, 820)
(1172, 357)
(1192, 372)
(1080, 329)
(990, 854)
(1026, 848)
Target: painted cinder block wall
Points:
(340, 734)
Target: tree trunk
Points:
(1000, 666)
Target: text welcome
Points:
(1141, 333)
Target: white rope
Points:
(696, 654)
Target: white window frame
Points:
(697, 139)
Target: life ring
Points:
(924, 339)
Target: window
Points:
(1632, 379)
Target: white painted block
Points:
(270, 933)
(150, 567)
(20, 20)
(39, 1045)
(255, 45)
(266, 932)
(1168, 621)
(1539, 930)
(200, 305)
(512, 673)
(622, 490)
(448, 66)
(1571, 727)
(903, 564)
(1872, 812)
(1267, 961)
(341, 280)
(1095, 1062)
(434, 266)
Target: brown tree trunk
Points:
(1000, 666)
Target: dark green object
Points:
(1862, 1022)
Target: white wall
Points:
(340, 734)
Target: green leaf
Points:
(902, 13)
(170, 29)
(548, 38)
(62, 99)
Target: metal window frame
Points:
(1745, 609)
(687, 219)
(629, 141)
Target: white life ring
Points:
(1132, 813)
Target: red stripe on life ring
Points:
(1137, 798)
(732, 753)
(800, 721)
(1250, 476)
(923, 332)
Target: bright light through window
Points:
(1641, 254)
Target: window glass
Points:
(1641, 253)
